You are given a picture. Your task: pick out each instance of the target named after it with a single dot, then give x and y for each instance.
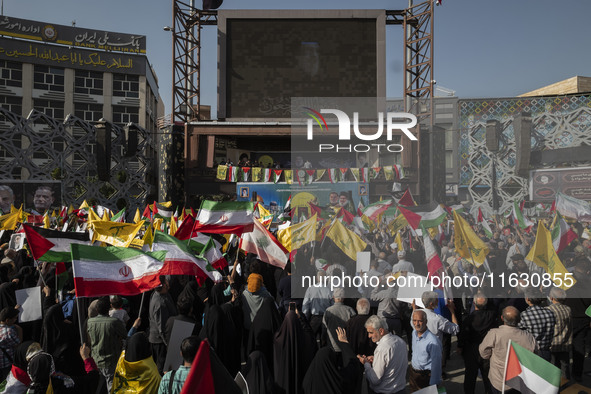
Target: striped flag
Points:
(262, 243)
(234, 217)
(372, 211)
(530, 373)
(562, 235)
(209, 249)
(180, 260)
(519, 218)
(102, 271)
(51, 245)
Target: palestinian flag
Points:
(529, 373)
(484, 224)
(432, 215)
(119, 216)
(562, 235)
(235, 217)
(102, 271)
(180, 260)
(372, 211)
(208, 375)
(262, 243)
(209, 249)
(407, 199)
(51, 245)
(162, 211)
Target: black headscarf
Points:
(137, 348)
(20, 355)
(293, 352)
(40, 369)
(54, 331)
(257, 374)
(220, 332)
(7, 297)
(323, 376)
(262, 330)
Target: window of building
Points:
(126, 85)
(449, 159)
(449, 139)
(11, 74)
(123, 114)
(88, 82)
(88, 112)
(51, 108)
(48, 78)
(12, 104)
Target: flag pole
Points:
(505, 369)
(77, 305)
(139, 314)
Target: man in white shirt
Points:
(386, 369)
(403, 265)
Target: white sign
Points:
(30, 301)
(363, 260)
(412, 287)
(180, 330)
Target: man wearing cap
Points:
(335, 316)
(403, 265)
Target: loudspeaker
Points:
(103, 150)
(522, 125)
(493, 132)
(130, 130)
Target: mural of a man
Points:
(6, 199)
(43, 199)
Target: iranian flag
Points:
(372, 211)
(231, 217)
(573, 207)
(262, 243)
(102, 271)
(180, 260)
(434, 265)
(562, 235)
(529, 373)
(209, 249)
(519, 218)
(51, 245)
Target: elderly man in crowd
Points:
(335, 316)
(386, 369)
(427, 353)
(495, 344)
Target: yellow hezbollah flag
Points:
(84, 205)
(135, 376)
(265, 217)
(398, 241)
(222, 173)
(10, 220)
(467, 243)
(173, 226)
(544, 255)
(294, 237)
(116, 234)
(92, 216)
(148, 238)
(46, 221)
(398, 224)
(345, 239)
(137, 217)
(166, 204)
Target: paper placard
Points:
(413, 289)
(17, 241)
(428, 390)
(180, 330)
(30, 301)
(363, 260)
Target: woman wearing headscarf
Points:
(58, 338)
(333, 373)
(18, 381)
(136, 370)
(262, 331)
(221, 334)
(294, 349)
(257, 374)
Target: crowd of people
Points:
(325, 342)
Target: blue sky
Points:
(494, 48)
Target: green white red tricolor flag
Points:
(372, 211)
(519, 218)
(530, 373)
(100, 271)
(229, 217)
(562, 235)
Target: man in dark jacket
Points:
(475, 327)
